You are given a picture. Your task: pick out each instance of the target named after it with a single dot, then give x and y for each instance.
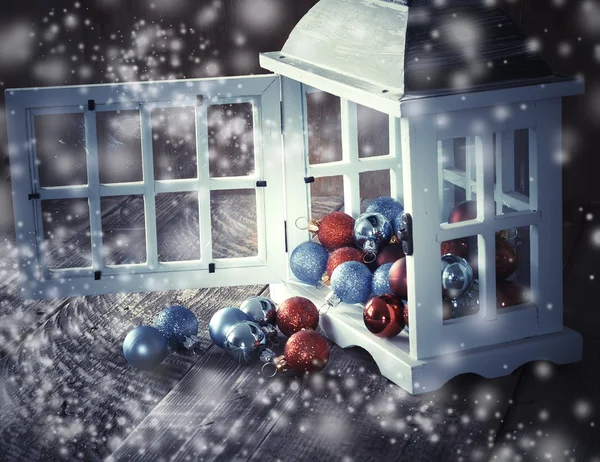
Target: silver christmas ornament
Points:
(260, 309)
(372, 231)
(457, 276)
(245, 341)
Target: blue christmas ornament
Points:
(351, 282)
(389, 208)
(222, 321)
(381, 285)
(245, 341)
(145, 347)
(179, 326)
(309, 261)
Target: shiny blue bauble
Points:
(389, 208)
(178, 324)
(351, 282)
(381, 284)
(222, 321)
(309, 261)
(145, 347)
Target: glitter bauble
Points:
(383, 315)
(245, 341)
(351, 282)
(260, 309)
(306, 351)
(295, 314)
(342, 255)
(334, 230)
(308, 262)
(463, 211)
(381, 284)
(510, 293)
(506, 258)
(458, 247)
(221, 322)
(397, 279)
(389, 208)
(145, 347)
(371, 232)
(457, 275)
(389, 254)
(178, 324)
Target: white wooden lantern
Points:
(470, 114)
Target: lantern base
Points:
(343, 324)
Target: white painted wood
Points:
(149, 193)
(396, 177)
(369, 164)
(545, 190)
(63, 192)
(122, 189)
(93, 174)
(505, 171)
(421, 200)
(470, 161)
(349, 123)
(446, 167)
(203, 186)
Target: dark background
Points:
(61, 42)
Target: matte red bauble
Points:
(295, 314)
(389, 254)
(510, 293)
(305, 351)
(334, 230)
(397, 279)
(457, 247)
(506, 258)
(343, 255)
(463, 211)
(384, 316)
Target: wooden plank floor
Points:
(67, 393)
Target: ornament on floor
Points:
(305, 351)
(245, 341)
(463, 211)
(371, 232)
(457, 275)
(340, 256)
(389, 207)
(222, 321)
(261, 310)
(179, 326)
(145, 347)
(384, 316)
(335, 230)
(381, 283)
(295, 314)
(511, 293)
(308, 262)
(506, 258)
(390, 253)
(351, 282)
(397, 279)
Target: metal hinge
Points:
(405, 234)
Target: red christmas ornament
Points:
(295, 314)
(334, 230)
(340, 256)
(457, 247)
(506, 258)
(463, 211)
(510, 293)
(305, 351)
(383, 315)
(397, 279)
(405, 314)
(389, 254)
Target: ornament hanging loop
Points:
(302, 223)
(369, 257)
(267, 367)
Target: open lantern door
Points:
(441, 137)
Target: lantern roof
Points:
(399, 50)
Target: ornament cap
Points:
(313, 226)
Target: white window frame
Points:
(268, 265)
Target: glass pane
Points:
(66, 228)
(60, 147)
(233, 221)
(231, 140)
(177, 215)
(373, 185)
(373, 132)
(512, 180)
(119, 146)
(123, 230)
(460, 285)
(326, 196)
(457, 180)
(174, 143)
(323, 112)
(513, 267)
